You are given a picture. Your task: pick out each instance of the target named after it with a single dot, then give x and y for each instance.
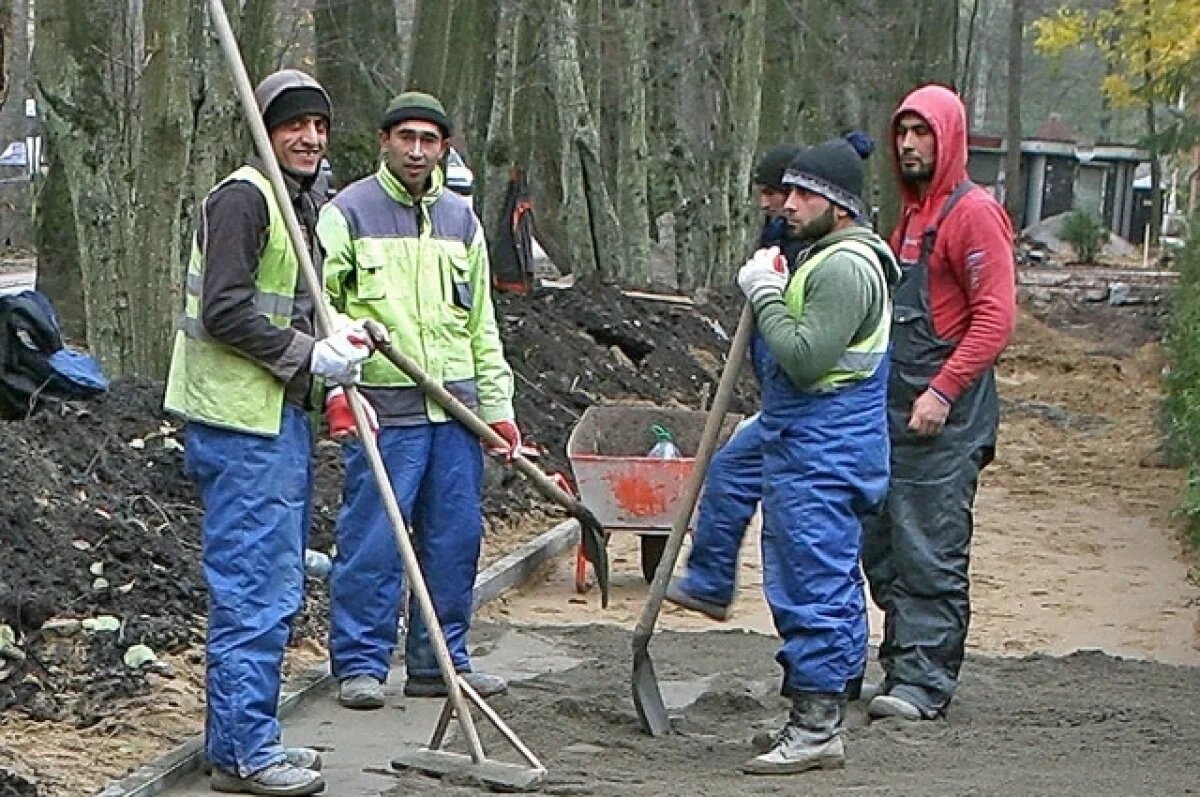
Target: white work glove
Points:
(765, 274)
(340, 356)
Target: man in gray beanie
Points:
(242, 372)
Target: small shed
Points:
(1060, 173)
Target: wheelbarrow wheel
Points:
(653, 546)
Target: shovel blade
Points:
(647, 697)
(595, 550)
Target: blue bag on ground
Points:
(34, 363)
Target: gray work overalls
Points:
(917, 549)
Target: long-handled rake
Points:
(432, 759)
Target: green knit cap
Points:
(416, 105)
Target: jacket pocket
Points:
(371, 283)
(461, 295)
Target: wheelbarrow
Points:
(623, 487)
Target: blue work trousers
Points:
(436, 471)
(256, 495)
(732, 490)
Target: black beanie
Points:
(773, 164)
(834, 170)
(293, 103)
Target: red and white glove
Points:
(511, 433)
(340, 356)
(340, 418)
(764, 275)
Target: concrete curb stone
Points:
(511, 571)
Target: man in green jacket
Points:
(241, 375)
(403, 251)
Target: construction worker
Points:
(241, 375)
(955, 311)
(820, 354)
(411, 255)
(733, 484)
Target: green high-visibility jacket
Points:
(211, 383)
(421, 269)
(861, 358)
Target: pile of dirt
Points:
(98, 518)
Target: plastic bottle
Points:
(664, 446)
(316, 563)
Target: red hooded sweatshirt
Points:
(972, 280)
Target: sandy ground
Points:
(1087, 724)
(1052, 579)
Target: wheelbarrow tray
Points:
(622, 486)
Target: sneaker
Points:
(882, 706)
(677, 596)
(486, 685)
(795, 752)
(303, 757)
(278, 779)
(361, 692)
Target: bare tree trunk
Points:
(593, 240)
(634, 149)
(743, 79)
(152, 268)
(469, 73)
(356, 64)
(58, 272)
(122, 104)
(1014, 199)
(499, 153)
(430, 44)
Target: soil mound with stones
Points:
(98, 519)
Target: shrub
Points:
(1082, 231)
(1183, 379)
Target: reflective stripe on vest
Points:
(862, 359)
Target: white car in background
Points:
(459, 177)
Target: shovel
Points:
(647, 697)
(592, 533)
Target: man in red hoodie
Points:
(955, 308)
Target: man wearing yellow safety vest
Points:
(404, 251)
(820, 354)
(242, 373)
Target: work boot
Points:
(278, 779)
(303, 757)
(892, 705)
(811, 739)
(862, 689)
(677, 596)
(483, 683)
(361, 692)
